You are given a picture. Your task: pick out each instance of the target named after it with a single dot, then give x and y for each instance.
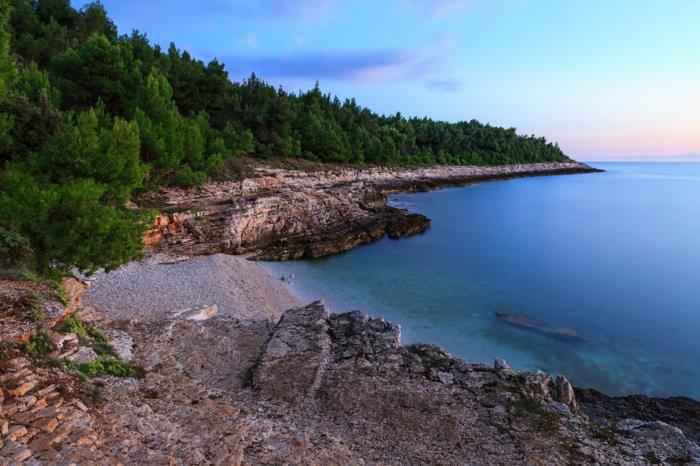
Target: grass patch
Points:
(28, 276)
(109, 366)
(87, 335)
(531, 408)
(61, 293)
(92, 393)
(36, 315)
(5, 348)
(35, 312)
(38, 346)
(99, 367)
(22, 274)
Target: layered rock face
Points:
(42, 418)
(282, 214)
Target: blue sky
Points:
(607, 79)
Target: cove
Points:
(613, 257)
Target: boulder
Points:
(564, 393)
(294, 359)
(501, 365)
(204, 313)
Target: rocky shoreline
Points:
(210, 360)
(291, 214)
(309, 387)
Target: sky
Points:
(606, 79)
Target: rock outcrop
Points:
(294, 359)
(281, 214)
(678, 411)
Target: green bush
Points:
(68, 224)
(87, 334)
(108, 366)
(38, 346)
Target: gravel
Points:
(152, 289)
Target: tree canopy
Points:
(87, 116)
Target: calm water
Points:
(614, 256)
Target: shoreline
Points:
(234, 368)
(293, 214)
(379, 182)
(229, 365)
(255, 284)
(680, 411)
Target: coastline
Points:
(373, 186)
(233, 368)
(271, 297)
(292, 214)
(679, 411)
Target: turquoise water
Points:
(614, 256)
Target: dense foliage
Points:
(88, 116)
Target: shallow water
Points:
(613, 256)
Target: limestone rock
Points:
(539, 385)
(501, 365)
(122, 343)
(565, 393)
(658, 441)
(82, 355)
(316, 388)
(64, 341)
(204, 313)
(293, 360)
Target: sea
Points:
(612, 258)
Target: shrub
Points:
(109, 366)
(87, 334)
(38, 346)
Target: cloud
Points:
(315, 9)
(270, 9)
(349, 66)
(451, 86)
(440, 8)
(250, 41)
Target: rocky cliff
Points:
(311, 388)
(282, 214)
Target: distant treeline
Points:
(87, 116)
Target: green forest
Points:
(88, 117)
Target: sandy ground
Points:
(152, 289)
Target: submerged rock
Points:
(518, 320)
